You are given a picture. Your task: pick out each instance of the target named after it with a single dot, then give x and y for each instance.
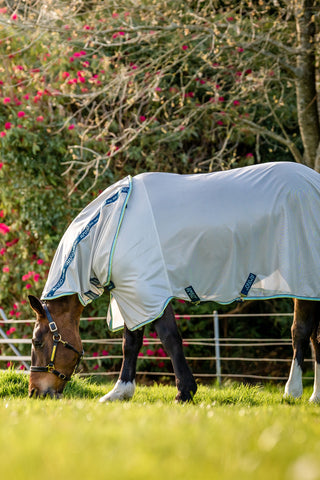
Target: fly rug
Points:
(247, 233)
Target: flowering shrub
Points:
(92, 93)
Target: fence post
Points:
(217, 345)
(13, 348)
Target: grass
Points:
(230, 432)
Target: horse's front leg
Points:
(125, 386)
(302, 328)
(168, 333)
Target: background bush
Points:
(93, 91)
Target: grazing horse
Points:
(248, 233)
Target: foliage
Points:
(93, 91)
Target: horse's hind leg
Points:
(168, 333)
(303, 325)
(125, 386)
(315, 339)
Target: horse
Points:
(247, 233)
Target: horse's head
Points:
(56, 344)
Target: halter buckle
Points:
(53, 327)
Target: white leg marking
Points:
(121, 391)
(293, 386)
(315, 397)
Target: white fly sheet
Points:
(249, 233)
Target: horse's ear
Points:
(36, 305)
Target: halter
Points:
(56, 340)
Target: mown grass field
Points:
(232, 432)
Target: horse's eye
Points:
(37, 343)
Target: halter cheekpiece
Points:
(50, 368)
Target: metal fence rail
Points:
(214, 342)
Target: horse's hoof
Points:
(314, 398)
(186, 396)
(121, 391)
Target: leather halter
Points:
(56, 340)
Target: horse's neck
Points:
(68, 306)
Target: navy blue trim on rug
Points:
(80, 237)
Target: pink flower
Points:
(4, 228)
(22, 367)
(65, 74)
(96, 367)
(25, 277)
(3, 134)
(140, 354)
(2, 251)
(1, 213)
(26, 97)
(40, 118)
(185, 47)
(40, 261)
(95, 354)
(160, 364)
(12, 242)
(21, 114)
(71, 127)
(150, 353)
(142, 118)
(1, 165)
(11, 330)
(236, 103)
(36, 277)
(105, 353)
(6, 100)
(14, 16)
(7, 125)
(6, 269)
(230, 19)
(240, 49)
(249, 155)
(28, 286)
(153, 334)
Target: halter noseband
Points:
(56, 340)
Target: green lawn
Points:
(233, 432)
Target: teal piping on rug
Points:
(141, 324)
(317, 299)
(118, 229)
